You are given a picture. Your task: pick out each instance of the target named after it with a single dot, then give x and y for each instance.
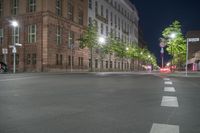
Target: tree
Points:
(89, 40)
(176, 47)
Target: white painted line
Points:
(168, 82)
(16, 78)
(166, 79)
(169, 89)
(169, 101)
(164, 128)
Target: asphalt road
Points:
(99, 103)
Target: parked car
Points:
(3, 67)
(165, 70)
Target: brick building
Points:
(47, 30)
(193, 51)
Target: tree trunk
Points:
(91, 59)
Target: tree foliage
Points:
(176, 47)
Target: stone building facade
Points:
(48, 31)
(116, 17)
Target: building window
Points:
(115, 21)
(96, 7)
(59, 7)
(80, 61)
(69, 61)
(15, 35)
(107, 14)
(90, 4)
(34, 61)
(111, 18)
(106, 64)
(57, 60)
(102, 64)
(96, 63)
(1, 8)
(106, 30)
(102, 28)
(119, 23)
(61, 59)
(102, 10)
(28, 59)
(14, 7)
(58, 35)
(90, 21)
(71, 39)
(111, 64)
(32, 33)
(89, 63)
(118, 65)
(80, 15)
(31, 5)
(70, 10)
(1, 36)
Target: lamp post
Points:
(172, 36)
(101, 42)
(14, 24)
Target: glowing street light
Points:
(172, 35)
(102, 40)
(15, 25)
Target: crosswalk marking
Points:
(164, 128)
(168, 82)
(169, 89)
(166, 79)
(169, 101)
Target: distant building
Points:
(47, 30)
(118, 18)
(194, 51)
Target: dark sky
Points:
(155, 15)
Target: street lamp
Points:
(101, 41)
(15, 25)
(172, 36)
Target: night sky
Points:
(155, 15)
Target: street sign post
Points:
(5, 52)
(14, 51)
(189, 40)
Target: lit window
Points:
(1, 8)
(32, 33)
(1, 36)
(15, 35)
(14, 7)
(31, 5)
(80, 15)
(58, 35)
(70, 8)
(59, 7)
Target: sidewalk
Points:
(182, 74)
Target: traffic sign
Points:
(162, 51)
(4, 50)
(14, 50)
(193, 39)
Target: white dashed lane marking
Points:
(168, 82)
(164, 128)
(166, 79)
(169, 101)
(169, 89)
